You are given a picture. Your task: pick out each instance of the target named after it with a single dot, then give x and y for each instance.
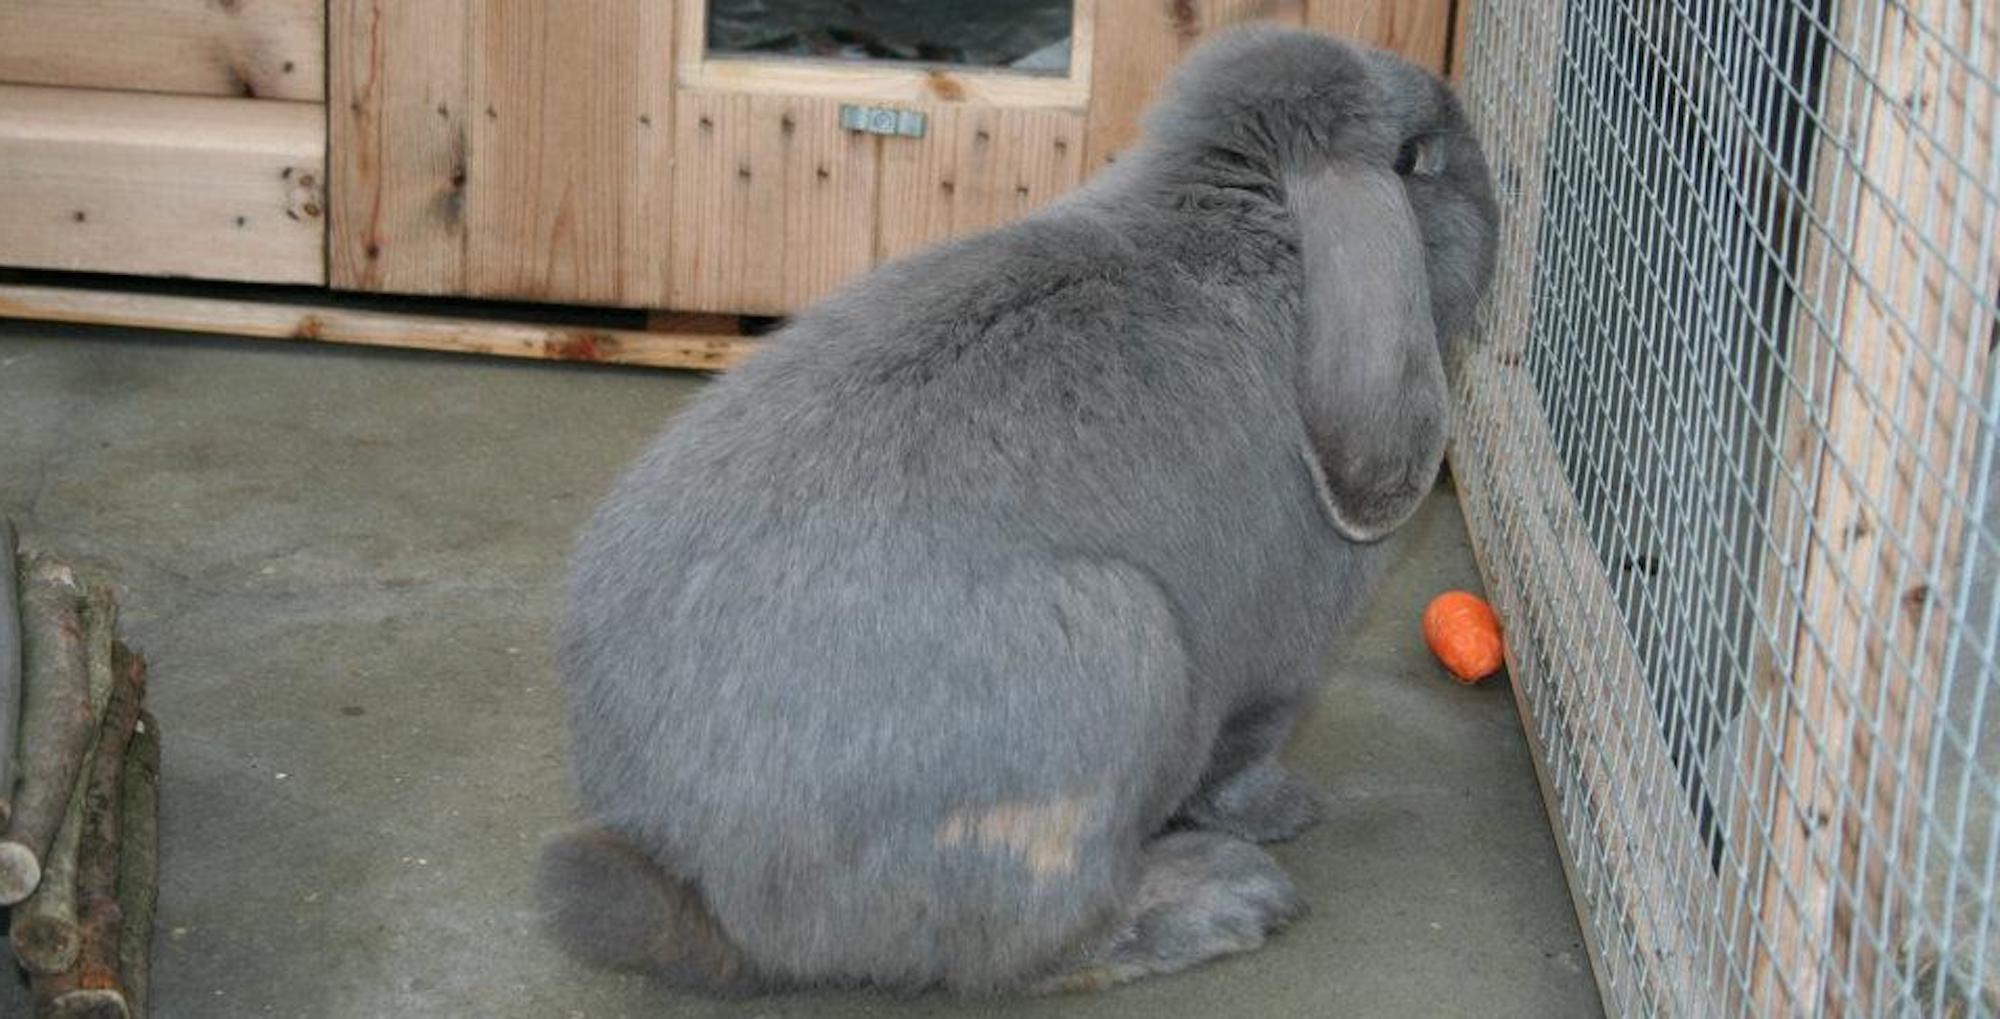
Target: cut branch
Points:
(45, 928)
(139, 860)
(10, 666)
(57, 722)
(91, 987)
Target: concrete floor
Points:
(343, 565)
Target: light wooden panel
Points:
(1419, 30)
(401, 139)
(774, 204)
(503, 148)
(705, 350)
(1887, 474)
(975, 168)
(269, 49)
(1137, 46)
(167, 185)
(570, 178)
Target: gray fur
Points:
(902, 646)
(1202, 895)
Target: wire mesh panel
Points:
(1727, 445)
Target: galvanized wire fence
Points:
(1727, 445)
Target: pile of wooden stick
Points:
(79, 790)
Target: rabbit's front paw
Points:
(1263, 803)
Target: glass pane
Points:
(1021, 35)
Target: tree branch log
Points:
(58, 722)
(10, 666)
(139, 860)
(44, 929)
(91, 987)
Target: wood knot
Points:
(945, 87)
(288, 67)
(1062, 145)
(786, 124)
(982, 136)
(1916, 598)
(373, 251)
(79, 216)
(581, 346)
(1855, 531)
(1185, 19)
(705, 123)
(823, 172)
(743, 173)
(645, 120)
(947, 186)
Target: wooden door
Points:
(598, 151)
(776, 202)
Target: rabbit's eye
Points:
(1421, 157)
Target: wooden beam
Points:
(400, 135)
(503, 149)
(162, 185)
(263, 49)
(1885, 454)
(294, 321)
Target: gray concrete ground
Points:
(343, 565)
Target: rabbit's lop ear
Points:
(1373, 386)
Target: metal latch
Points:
(882, 120)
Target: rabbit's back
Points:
(965, 562)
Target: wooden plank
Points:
(401, 139)
(1419, 30)
(266, 49)
(883, 81)
(1138, 46)
(976, 168)
(1892, 468)
(570, 183)
(1462, 14)
(503, 148)
(774, 203)
(292, 321)
(1752, 859)
(162, 185)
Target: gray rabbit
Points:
(950, 640)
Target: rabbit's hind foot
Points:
(1202, 895)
